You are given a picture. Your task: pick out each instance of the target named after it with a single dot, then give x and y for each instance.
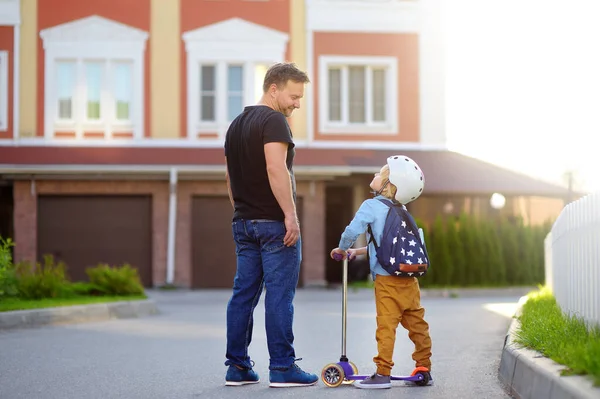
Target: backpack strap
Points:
(372, 238)
(370, 231)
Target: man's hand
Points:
(292, 231)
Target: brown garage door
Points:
(213, 249)
(83, 231)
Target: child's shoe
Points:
(293, 376)
(376, 381)
(240, 376)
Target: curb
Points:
(529, 375)
(77, 314)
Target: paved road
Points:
(180, 353)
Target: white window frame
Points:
(94, 39)
(4, 90)
(230, 42)
(389, 126)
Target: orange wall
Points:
(404, 47)
(198, 13)
(6, 43)
(135, 13)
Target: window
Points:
(217, 108)
(226, 65)
(3, 90)
(358, 95)
(94, 79)
(91, 95)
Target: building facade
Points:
(113, 115)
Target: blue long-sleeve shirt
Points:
(372, 212)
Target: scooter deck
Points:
(350, 376)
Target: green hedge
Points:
(49, 279)
(468, 251)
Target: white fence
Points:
(573, 258)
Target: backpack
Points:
(402, 250)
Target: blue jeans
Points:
(263, 261)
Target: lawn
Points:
(9, 304)
(565, 339)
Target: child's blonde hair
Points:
(390, 190)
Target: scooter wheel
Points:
(332, 375)
(424, 381)
(354, 372)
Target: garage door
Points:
(83, 231)
(213, 249)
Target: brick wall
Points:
(25, 220)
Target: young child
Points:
(397, 299)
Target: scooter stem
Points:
(344, 303)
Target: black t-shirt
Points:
(256, 126)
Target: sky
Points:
(523, 85)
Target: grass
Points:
(9, 304)
(563, 338)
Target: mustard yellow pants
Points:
(398, 300)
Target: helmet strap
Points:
(383, 186)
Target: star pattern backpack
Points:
(402, 250)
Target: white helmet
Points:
(408, 178)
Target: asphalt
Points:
(178, 352)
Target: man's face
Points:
(288, 97)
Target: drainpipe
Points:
(16, 87)
(172, 224)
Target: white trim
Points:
(310, 92)
(371, 145)
(16, 77)
(390, 126)
(93, 38)
(432, 71)
(10, 12)
(181, 143)
(231, 42)
(4, 92)
(80, 169)
(389, 16)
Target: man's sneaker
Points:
(293, 376)
(376, 381)
(240, 376)
(422, 370)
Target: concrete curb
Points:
(77, 314)
(529, 375)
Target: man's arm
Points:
(281, 185)
(228, 185)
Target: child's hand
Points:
(352, 252)
(339, 252)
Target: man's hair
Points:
(390, 190)
(280, 73)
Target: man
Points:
(259, 152)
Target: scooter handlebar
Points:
(339, 257)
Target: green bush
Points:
(109, 280)
(470, 251)
(8, 280)
(47, 280)
(85, 289)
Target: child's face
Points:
(377, 181)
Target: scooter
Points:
(346, 372)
